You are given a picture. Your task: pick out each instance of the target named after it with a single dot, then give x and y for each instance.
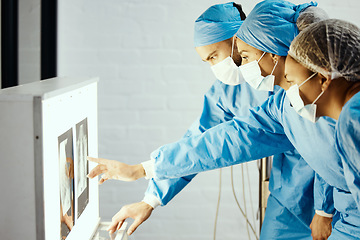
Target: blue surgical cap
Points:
(218, 23)
(271, 26)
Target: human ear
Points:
(275, 58)
(325, 81)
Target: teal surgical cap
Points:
(218, 23)
(271, 26)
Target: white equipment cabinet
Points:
(47, 129)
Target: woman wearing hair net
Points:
(289, 212)
(323, 68)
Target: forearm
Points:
(163, 191)
(227, 144)
(323, 197)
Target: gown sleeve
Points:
(236, 141)
(214, 112)
(323, 197)
(348, 145)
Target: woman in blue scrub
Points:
(323, 69)
(292, 179)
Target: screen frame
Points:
(59, 114)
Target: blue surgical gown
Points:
(271, 128)
(291, 181)
(347, 139)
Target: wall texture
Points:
(151, 88)
(29, 41)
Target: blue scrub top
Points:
(291, 179)
(348, 144)
(221, 103)
(272, 128)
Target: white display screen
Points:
(69, 136)
(82, 167)
(66, 183)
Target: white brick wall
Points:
(151, 88)
(29, 41)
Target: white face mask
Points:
(227, 71)
(306, 111)
(251, 73)
(267, 84)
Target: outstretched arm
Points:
(111, 169)
(221, 104)
(233, 142)
(324, 209)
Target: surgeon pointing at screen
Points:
(285, 199)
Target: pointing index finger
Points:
(99, 169)
(97, 160)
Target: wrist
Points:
(323, 214)
(151, 200)
(147, 205)
(149, 168)
(139, 171)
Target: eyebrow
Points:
(209, 56)
(242, 51)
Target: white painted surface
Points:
(29, 41)
(0, 44)
(60, 114)
(17, 170)
(65, 102)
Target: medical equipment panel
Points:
(47, 129)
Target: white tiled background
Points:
(151, 87)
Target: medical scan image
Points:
(82, 182)
(66, 180)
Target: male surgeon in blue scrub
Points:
(290, 207)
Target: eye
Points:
(244, 57)
(287, 80)
(213, 58)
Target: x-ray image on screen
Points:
(66, 182)
(82, 182)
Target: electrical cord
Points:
(252, 203)
(218, 204)
(243, 186)
(237, 202)
(248, 224)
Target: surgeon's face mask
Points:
(227, 71)
(251, 73)
(307, 111)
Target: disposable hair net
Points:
(218, 23)
(271, 25)
(330, 47)
(310, 15)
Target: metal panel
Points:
(265, 171)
